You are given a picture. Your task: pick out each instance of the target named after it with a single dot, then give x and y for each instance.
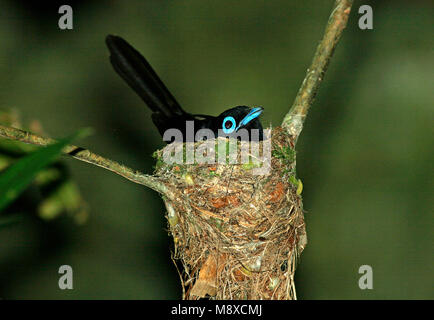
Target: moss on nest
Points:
(237, 234)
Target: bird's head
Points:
(241, 117)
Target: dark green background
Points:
(365, 155)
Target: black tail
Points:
(140, 76)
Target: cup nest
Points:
(237, 235)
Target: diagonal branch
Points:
(89, 157)
(293, 121)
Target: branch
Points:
(89, 157)
(294, 119)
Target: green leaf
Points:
(19, 175)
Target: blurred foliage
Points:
(365, 155)
(21, 164)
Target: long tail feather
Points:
(140, 76)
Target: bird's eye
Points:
(228, 125)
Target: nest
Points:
(237, 234)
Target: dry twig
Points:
(294, 119)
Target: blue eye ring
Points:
(232, 128)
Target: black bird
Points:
(166, 112)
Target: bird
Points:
(136, 71)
